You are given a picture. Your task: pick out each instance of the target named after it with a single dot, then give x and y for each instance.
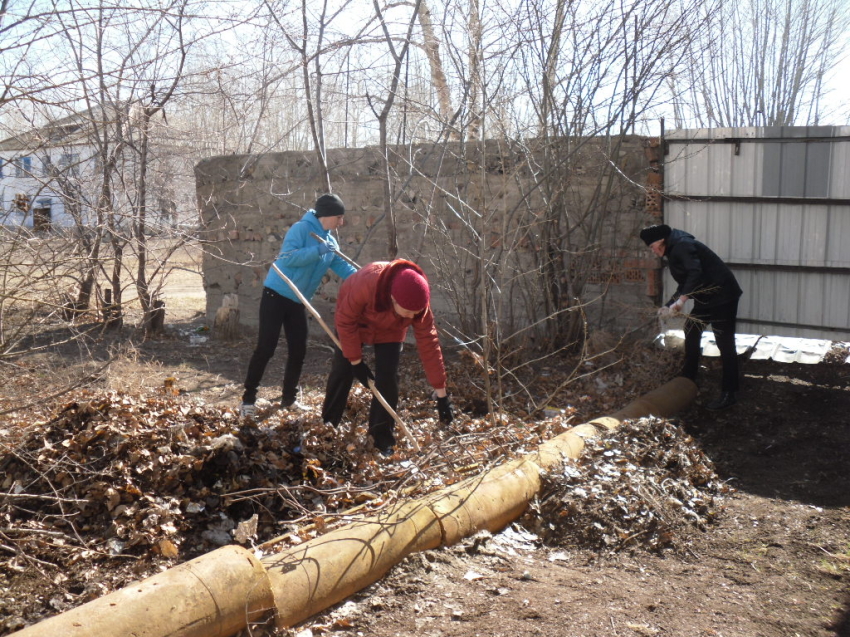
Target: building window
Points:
(23, 167)
(69, 163)
(41, 217)
(46, 166)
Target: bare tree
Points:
(107, 59)
(153, 105)
(761, 63)
(386, 102)
(559, 86)
(431, 45)
(309, 45)
(616, 69)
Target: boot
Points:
(383, 438)
(727, 399)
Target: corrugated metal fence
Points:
(774, 204)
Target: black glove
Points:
(362, 373)
(444, 409)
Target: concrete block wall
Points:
(248, 202)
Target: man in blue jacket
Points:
(703, 277)
(304, 261)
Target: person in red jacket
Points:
(376, 306)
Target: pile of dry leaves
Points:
(644, 485)
(123, 475)
(106, 487)
(110, 487)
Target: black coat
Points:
(700, 273)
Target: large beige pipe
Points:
(317, 574)
(214, 595)
(312, 576)
(219, 593)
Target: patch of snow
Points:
(783, 349)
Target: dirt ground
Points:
(775, 563)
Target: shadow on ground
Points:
(788, 437)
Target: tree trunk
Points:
(226, 324)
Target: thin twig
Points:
(32, 496)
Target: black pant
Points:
(722, 321)
(381, 424)
(277, 311)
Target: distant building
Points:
(40, 170)
(50, 177)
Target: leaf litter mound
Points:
(111, 487)
(646, 485)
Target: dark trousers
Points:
(276, 312)
(381, 424)
(722, 321)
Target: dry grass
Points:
(41, 275)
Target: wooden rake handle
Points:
(340, 254)
(330, 333)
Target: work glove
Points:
(324, 248)
(362, 373)
(444, 409)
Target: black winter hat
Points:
(329, 206)
(653, 233)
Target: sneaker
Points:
(293, 405)
(247, 410)
(387, 452)
(727, 399)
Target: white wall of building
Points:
(31, 174)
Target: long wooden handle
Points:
(372, 387)
(341, 255)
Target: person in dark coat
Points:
(704, 278)
(304, 261)
(376, 306)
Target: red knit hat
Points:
(410, 290)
